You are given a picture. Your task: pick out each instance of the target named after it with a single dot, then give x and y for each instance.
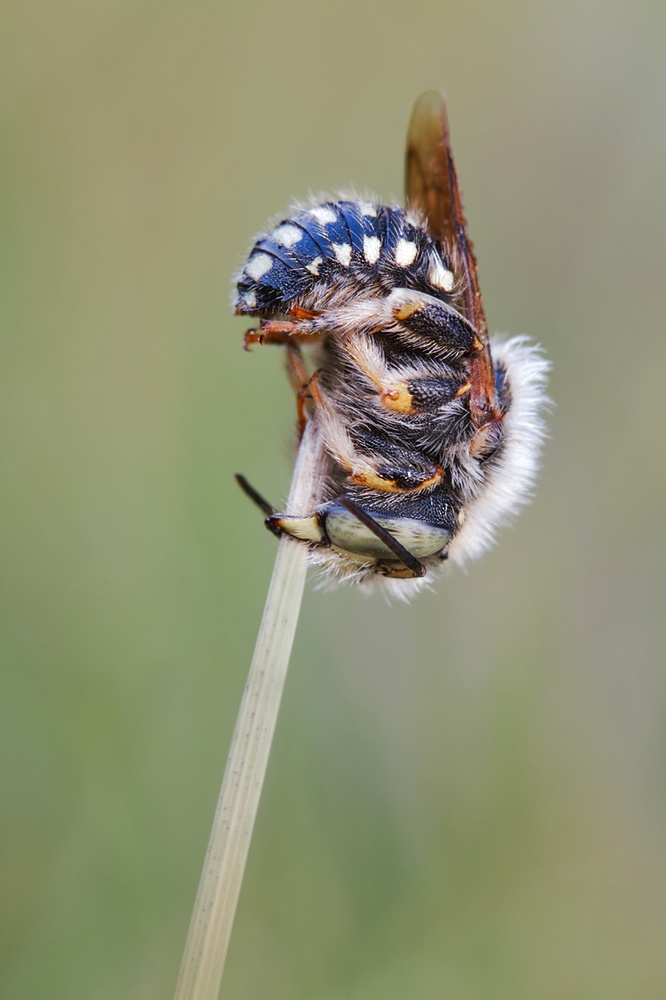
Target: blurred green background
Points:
(465, 797)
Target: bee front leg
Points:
(277, 332)
(290, 334)
(302, 328)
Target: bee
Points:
(432, 431)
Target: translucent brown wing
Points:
(432, 188)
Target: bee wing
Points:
(432, 188)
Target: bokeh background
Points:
(465, 797)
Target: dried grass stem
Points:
(212, 919)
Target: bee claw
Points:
(252, 337)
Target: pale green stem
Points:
(212, 919)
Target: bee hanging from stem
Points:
(422, 438)
(432, 431)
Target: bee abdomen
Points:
(358, 244)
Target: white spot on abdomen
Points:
(324, 214)
(250, 300)
(287, 235)
(440, 276)
(371, 247)
(313, 266)
(343, 252)
(405, 253)
(258, 265)
(366, 208)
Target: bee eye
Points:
(418, 537)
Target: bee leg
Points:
(309, 528)
(380, 464)
(307, 391)
(422, 395)
(298, 376)
(487, 439)
(403, 390)
(278, 331)
(314, 390)
(274, 332)
(435, 321)
(389, 477)
(296, 370)
(406, 391)
(282, 333)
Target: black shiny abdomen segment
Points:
(354, 241)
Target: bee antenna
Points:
(254, 496)
(398, 550)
